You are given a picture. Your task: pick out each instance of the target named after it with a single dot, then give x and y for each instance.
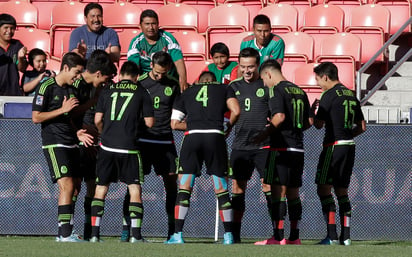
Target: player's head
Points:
(207, 76)
(100, 67)
(271, 73)
(149, 23)
(261, 29)
(130, 71)
(220, 55)
(249, 60)
(93, 16)
(161, 64)
(7, 27)
(37, 59)
(326, 74)
(71, 67)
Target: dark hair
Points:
(327, 68)
(261, 19)
(250, 52)
(162, 58)
(6, 18)
(219, 48)
(130, 68)
(207, 73)
(35, 52)
(91, 6)
(148, 13)
(71, 60)
(100, 61)
(270, 64)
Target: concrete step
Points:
(405, 69)
(403, 83)
(381, 114)
(401, 99)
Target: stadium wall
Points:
(381, 190)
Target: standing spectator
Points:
(224, 70)
(52, 105)
(12, 57)
(93, 35)
(156, 144)
(290, 109)
(269, 45)
(152, 40)
(204, 105)
(254, 113)
(119, 113)
(340, 113)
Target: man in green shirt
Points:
(269, 45)
(152, 40)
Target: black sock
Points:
(97, 214)
(279, 213)
(295, 216)
(238, 206)
(64, 218)
(181, 208)
(87, 205)
(345, 213)
(136, 218)
(329, 213)
(225, 210)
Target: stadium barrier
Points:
(381, 190)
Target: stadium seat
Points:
(346, 6)
(121, 15)
(304, 77)
(401, 11)
(17, 110)
(24, 12)
(44, 8)
(34, 38)
(300, 5)
(66, 16)
(193, 44)
(372, 24)
(344, 50)
(283, 17)
(203, 7)
(125, 37)
(148, 4)
(178, 17)
(194, 69)
(298, 51)
(234, 42)
(322, 20)
(225, 21)
(54, 64)
(254, 6)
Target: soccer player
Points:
(224, 70)
(99, 70)
(12, 57)
(254, 113)
(152, 40)
(93, 35)
(290, 116)
(340, 113)
(52, 106)
(156, 144)
(269, 45)
(203, 106)
(119, 112)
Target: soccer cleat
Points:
(271, 241)
(125, 236)
(293, 242)
(228, 238)
(328, 241)
(57, 239)
(134, 240)
(346, 242)
(73, 238)
(95, 239)
(176, 238)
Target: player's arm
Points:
(181, 70)
(177, 121)
(359, 128)
(317, 122)
(149, 121)
(21, 55)
(98, 121)
(234, 108)
(275, 122)
(67, 106)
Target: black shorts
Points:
(335, 165)
(284, 168)
(88, 157)
(114, 167)
(62, 162)
(208, 147)
(163, 158)
(244, 162)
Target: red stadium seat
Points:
(283, 17)
(371, 23)
(224, 21)
(178, 17)
(203, 7)
(54, 65)
(34, 38)
(234, 44)
(304, 77)
(300, 5)
(148, 4)
(194, 69)
(346, 6)
(24, 12)
(125, 37)
(254, 6)
(193, 44)
(401, 11)
(121, 15)
(44, 8)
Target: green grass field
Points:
(45, 246)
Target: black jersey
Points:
(84, 92)
(123, 104)
(49, 97)
(291, 100)
(339, 109)
(254, 112)
(163, 94)
(204, 105)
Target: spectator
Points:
(224, 70)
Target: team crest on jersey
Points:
(237, 93)
(56, 98)
(39, 100)
(168, 91)
(260, 92)
(63, 169)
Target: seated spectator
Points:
(32, 78)
(224, 70)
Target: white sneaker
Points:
(73, 238)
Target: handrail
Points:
(372, 60)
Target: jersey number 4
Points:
(202, 96)
(115, 98)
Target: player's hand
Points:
(109, 49)
(228, 128)
(22, 52)
(85, 138)
(314, 106)
(259, 138)
(69, 104)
